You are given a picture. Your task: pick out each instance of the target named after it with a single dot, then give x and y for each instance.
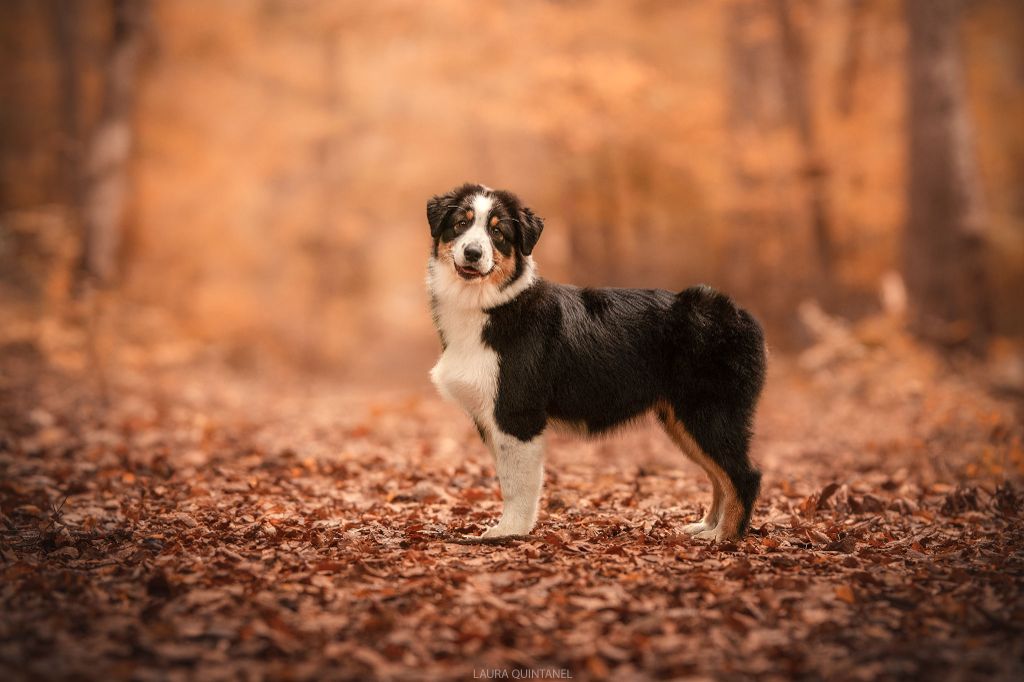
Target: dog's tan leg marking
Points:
(714, 512)
(723, 518)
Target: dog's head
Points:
(485, 236)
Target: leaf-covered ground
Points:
(196, 525)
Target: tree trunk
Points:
(853, 56)
(815, 172)
(944, 241)
(65, 34)
(105, 172)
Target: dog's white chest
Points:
(467, 371)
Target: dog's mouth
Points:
(468, 273)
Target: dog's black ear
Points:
(530, 227)
(438, 209)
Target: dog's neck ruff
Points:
(450, 289)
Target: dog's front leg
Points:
(520, 467)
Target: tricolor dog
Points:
(521, 354)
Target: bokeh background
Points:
(246, 180)
(220, 454)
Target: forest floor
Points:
(191, 523)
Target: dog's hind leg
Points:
(714, 512)
(723, 494)
(520, 468)
(724, 441)
(716, 379)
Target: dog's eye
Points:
(496, 233)
(462, 224)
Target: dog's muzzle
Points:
(468, 272)
(472, 257)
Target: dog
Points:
(520, 354)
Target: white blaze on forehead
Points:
(481, 208)
(477, 234)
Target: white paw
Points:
(694, 528)
(711, 534)
(504, 529)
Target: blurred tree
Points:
(852, 61)
(944, 242)
(104, 172)
(65, 35)
(796, 85)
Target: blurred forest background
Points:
(246, 180)
(220, 456)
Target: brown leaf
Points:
(825, 494)
(844, 593)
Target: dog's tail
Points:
(713, 329)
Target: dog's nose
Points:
(472, 253)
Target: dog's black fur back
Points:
(602, 357)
